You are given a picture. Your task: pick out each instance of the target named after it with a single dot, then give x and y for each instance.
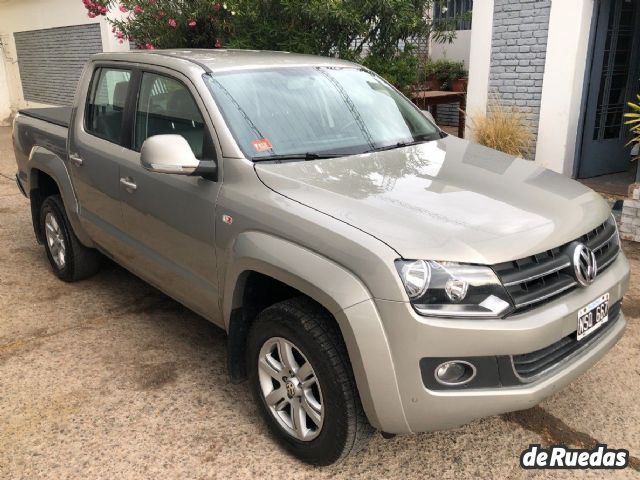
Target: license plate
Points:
(593, 316)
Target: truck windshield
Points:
(311, 112)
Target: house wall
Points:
(534, 53)
(518, 52)
(27, 15)
(459, 50)
(5, 104)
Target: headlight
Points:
(448, 289)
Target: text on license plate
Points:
(593, 316)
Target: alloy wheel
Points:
(55, 240)
(291, 389)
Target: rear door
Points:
(96, 150)
(170, 218)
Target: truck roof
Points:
(223, 59)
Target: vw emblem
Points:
(585, 267)
(291, 389)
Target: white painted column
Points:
(479, 60)
(5, 102)
(563, 83)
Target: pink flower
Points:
(216, 6)
(137, 9)
(192, 23)
(148, 46)
(91, 15)
(172, 23)
(123, 9)
(218, 44)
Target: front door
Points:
(170, 219)
(613, 82)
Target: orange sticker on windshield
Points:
(262, 145)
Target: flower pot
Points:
(459, 85)
(434, 84)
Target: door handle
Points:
(129, 184)
(76, 160)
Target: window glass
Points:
(165, 106)
(299, 110)
(106, 103)
(454, 14)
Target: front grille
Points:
(532, 364)
(539, 278)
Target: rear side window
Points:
(165, 106)
(105, 109)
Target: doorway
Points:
(613, 81)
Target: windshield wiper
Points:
(397, 145)
(393, 146)
(299, 156)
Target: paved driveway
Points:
(108, 378)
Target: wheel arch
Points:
(47, 175)
(290, 270)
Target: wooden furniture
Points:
(430, 99)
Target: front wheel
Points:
(302, 381)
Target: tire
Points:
(339, 427)
(69, 259)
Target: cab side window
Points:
(105, 107)
(165, 106)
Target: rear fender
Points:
(41, 159)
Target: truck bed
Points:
(60, 116)
(47, 128)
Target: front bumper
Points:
(412, 338)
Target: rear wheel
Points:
(69, 259)
(302, 381)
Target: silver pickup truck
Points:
(371, 272)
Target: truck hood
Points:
(444, 200)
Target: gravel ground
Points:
(109, 378)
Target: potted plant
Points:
(634, 123)
(445, 74)
(437, 74)
(458, 77)
(634, 127)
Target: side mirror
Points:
(427, 114)
(172, 154)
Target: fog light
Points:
(456, 372)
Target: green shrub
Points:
(167, 23)
(401, 70)
(348, 29)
